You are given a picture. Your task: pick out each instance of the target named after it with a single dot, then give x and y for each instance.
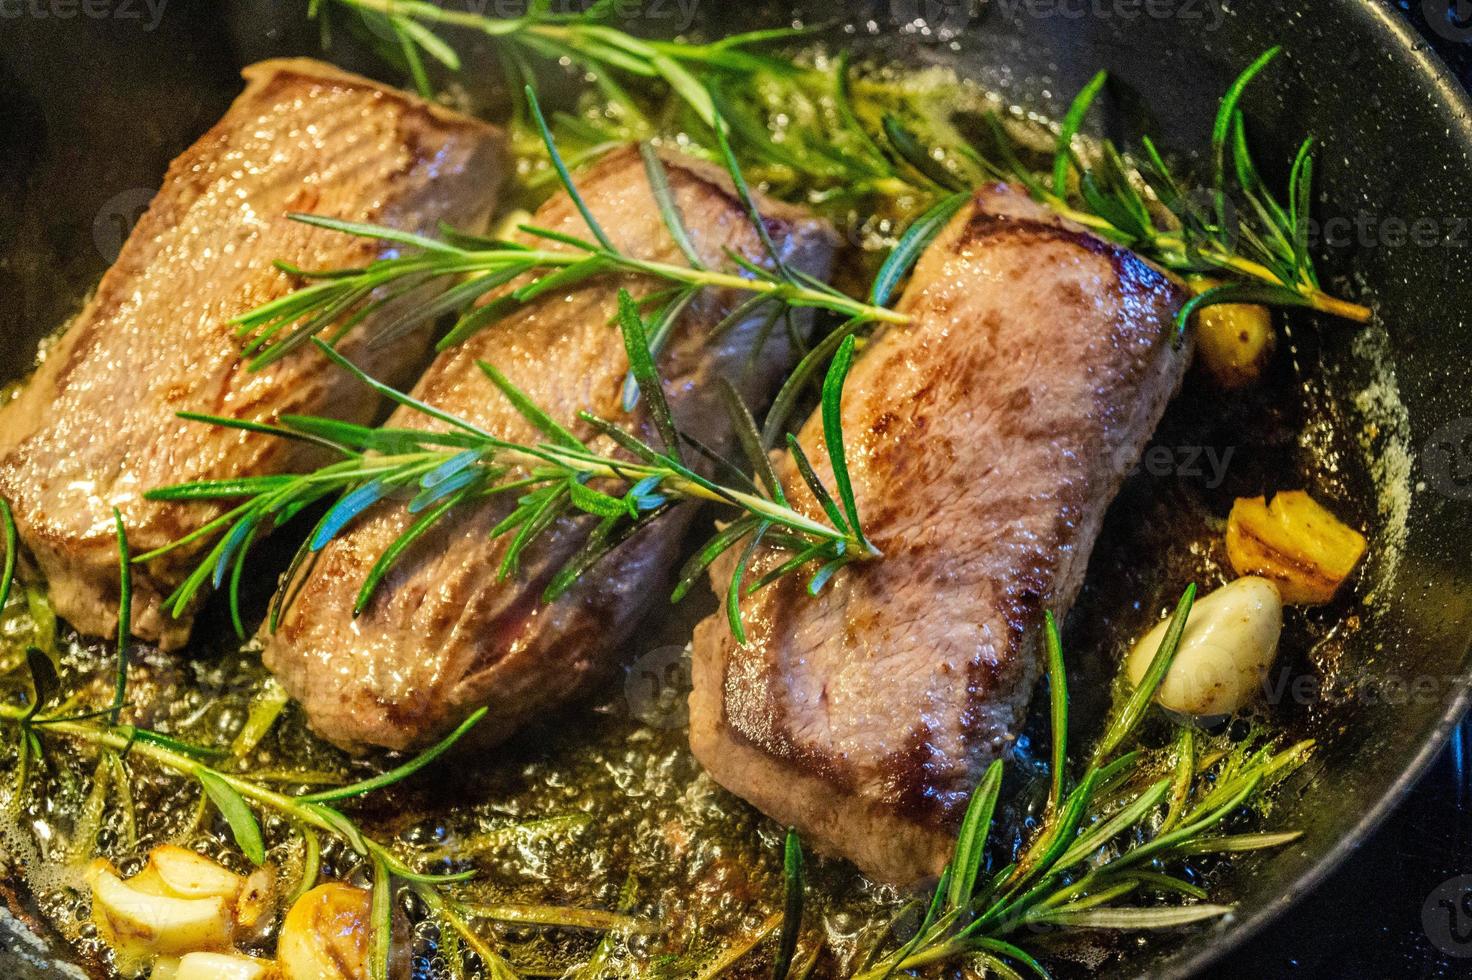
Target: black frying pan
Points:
(93, 108)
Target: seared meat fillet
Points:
(986, 438)
(95, 428)
(444, 633)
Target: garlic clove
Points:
(255, 906)
(181, 873)
(224, 966)
(1296, 542)
(140, 926)
(1229, 643)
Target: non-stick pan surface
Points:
(92, 108)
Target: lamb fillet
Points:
(95, 428)
(444, 633)
(986, 438)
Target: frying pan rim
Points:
(1403, 39)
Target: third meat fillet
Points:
(444, 632)
(986, 438)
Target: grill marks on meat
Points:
(986, 439)
(95, 428)
(444, 634)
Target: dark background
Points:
(1370, 918)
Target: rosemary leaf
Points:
(641, 364)
(791, 907)
(1058, 708)
(125, 617)
(1064, 155)
(12, 548)
(971, 842)
(832, 411)
(1130, 715)
(915, 240)
(237, 813)
(1134, 918)
(398, 773)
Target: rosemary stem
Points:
(1333, 306)
(117, 739)
(1317, 298)
(1176, 248)
(690, 488)
(447, 912)
(789, 292)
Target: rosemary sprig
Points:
(1240, 232)
(1105, 838)
(464, 268)
(237, 797)
(583, 38)
(729, 83)
(461, 464)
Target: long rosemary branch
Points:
(348, 293)
(473, 267)
(461, 464)
(1260, 246)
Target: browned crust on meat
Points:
(786, 720)
(444, 634)
(96, 426)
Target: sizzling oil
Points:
(599, 804)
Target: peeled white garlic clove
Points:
(223, 966)
(181, 873)
(140, 926)
(181, 902)
(1230, 641)
(255, 905)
